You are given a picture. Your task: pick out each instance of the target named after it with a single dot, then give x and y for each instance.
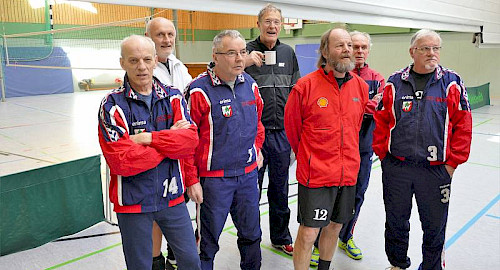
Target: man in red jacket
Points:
(323, 117)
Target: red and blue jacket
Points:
(229, 124)
(376, 85)
(145, 178)
(433, 126)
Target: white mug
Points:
(270, 57)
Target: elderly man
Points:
(323, 117)
(361, 43)
(275, 82)
(144, 129)
(170, 71)
(226, 106)
(422, 133)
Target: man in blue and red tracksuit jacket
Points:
(422, 133)
(144, 130)
(226, 106)
(361, 43)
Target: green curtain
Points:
(44, 204)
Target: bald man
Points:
(144, 132)
(170, 71)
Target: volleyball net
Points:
(84, 47)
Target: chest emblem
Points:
(227, 111)
(407, 105)
(419, 94)
(322, 102)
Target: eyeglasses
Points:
(269, 22)
(232, 54)
(427, 49)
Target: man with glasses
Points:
(226, 106)
(275, 82)
(422, 133)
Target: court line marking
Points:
(484, 122)
(448, 243)
(471, 222)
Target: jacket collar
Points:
(438, 73)
(264, 47)
(173, 59)
(216, 80)
(159, 91)
(331, 78)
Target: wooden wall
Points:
(20, 11)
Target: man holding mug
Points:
(274, 67)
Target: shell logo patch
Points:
(227, 111)
(407, 105)
(322, 102)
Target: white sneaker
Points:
(394, 268)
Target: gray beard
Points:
(340, 67)
(343, 68)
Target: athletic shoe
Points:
(315, 257)
(171, 264)
(351, 249)
(159, 262)
(288, 249)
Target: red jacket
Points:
(322, 124)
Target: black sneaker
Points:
(171, 263)
(158, 262)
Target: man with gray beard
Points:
(323, 117)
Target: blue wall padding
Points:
(307, 56)
(24, 81)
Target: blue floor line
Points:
(497, 217)
(471, 222)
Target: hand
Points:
(195, 192)
(292, 158)
(377, 98)
(254, 58)
(181, 124)
(143, 138)
(450, 170)
(260, 160)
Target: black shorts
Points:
(318, 206)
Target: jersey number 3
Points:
(433, 153)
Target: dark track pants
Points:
(431, 186)
(175, 223)
(365, 169)
(276, 151)
(238, 196)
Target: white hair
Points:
(424, 33)
(143, 39)
(366, 35)
(217, 43)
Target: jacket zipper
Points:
(341, 139)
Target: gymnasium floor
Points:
(43, 130)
